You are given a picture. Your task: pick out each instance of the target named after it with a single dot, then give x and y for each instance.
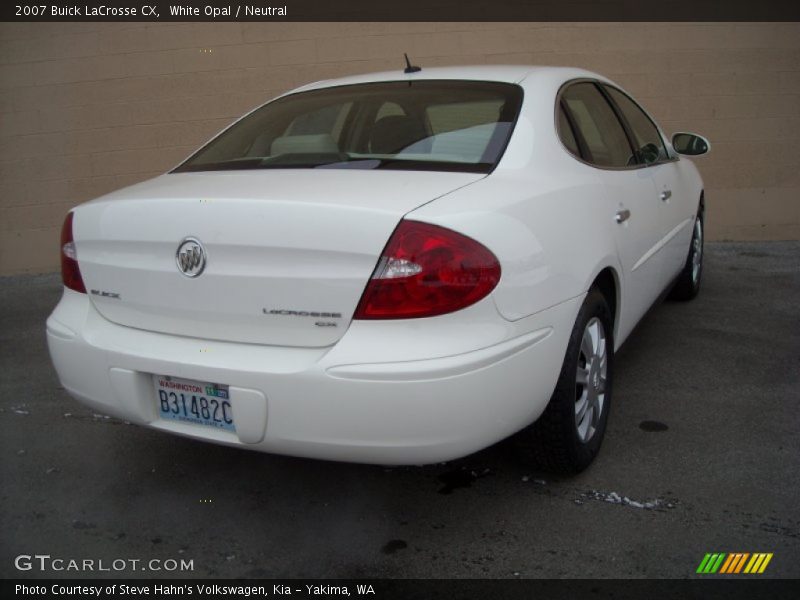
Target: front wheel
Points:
(568, 435)
(687, 286)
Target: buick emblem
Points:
(191, 257)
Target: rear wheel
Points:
(687, 285)
(568, 435)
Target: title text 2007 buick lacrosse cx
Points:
(393, 268)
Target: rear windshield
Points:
(420, 125)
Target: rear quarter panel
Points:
(552, 238)
(544, 214)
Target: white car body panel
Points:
(349, 403)
(681, 180)
(388, 392)
(316, 257)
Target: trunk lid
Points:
(288, 252)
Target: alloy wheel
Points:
(590, 379)
(697, 250)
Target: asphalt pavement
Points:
(702, 454)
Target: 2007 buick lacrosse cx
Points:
(397, 268)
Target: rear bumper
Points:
(363, 400)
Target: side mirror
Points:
(690, 144)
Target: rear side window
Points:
(649, 144)
(606, 143)
(565, 132)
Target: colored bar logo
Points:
(734, 563)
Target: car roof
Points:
(499, 73)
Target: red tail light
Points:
(70, 272)
(427, 270)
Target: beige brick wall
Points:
(89, 107)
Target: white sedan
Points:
(403, 267)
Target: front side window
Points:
(649, 145)
(420, 125)
(606, 144)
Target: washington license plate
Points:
(197, 402)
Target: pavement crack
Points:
(657, 504)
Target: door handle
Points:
(622, 216)
(666, 195)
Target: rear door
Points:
(631, 194)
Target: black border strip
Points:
(408, 10)
(712, 588)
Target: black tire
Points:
(687, 285)
(553, 443)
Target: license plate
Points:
(195, 402)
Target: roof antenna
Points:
(409, 67)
